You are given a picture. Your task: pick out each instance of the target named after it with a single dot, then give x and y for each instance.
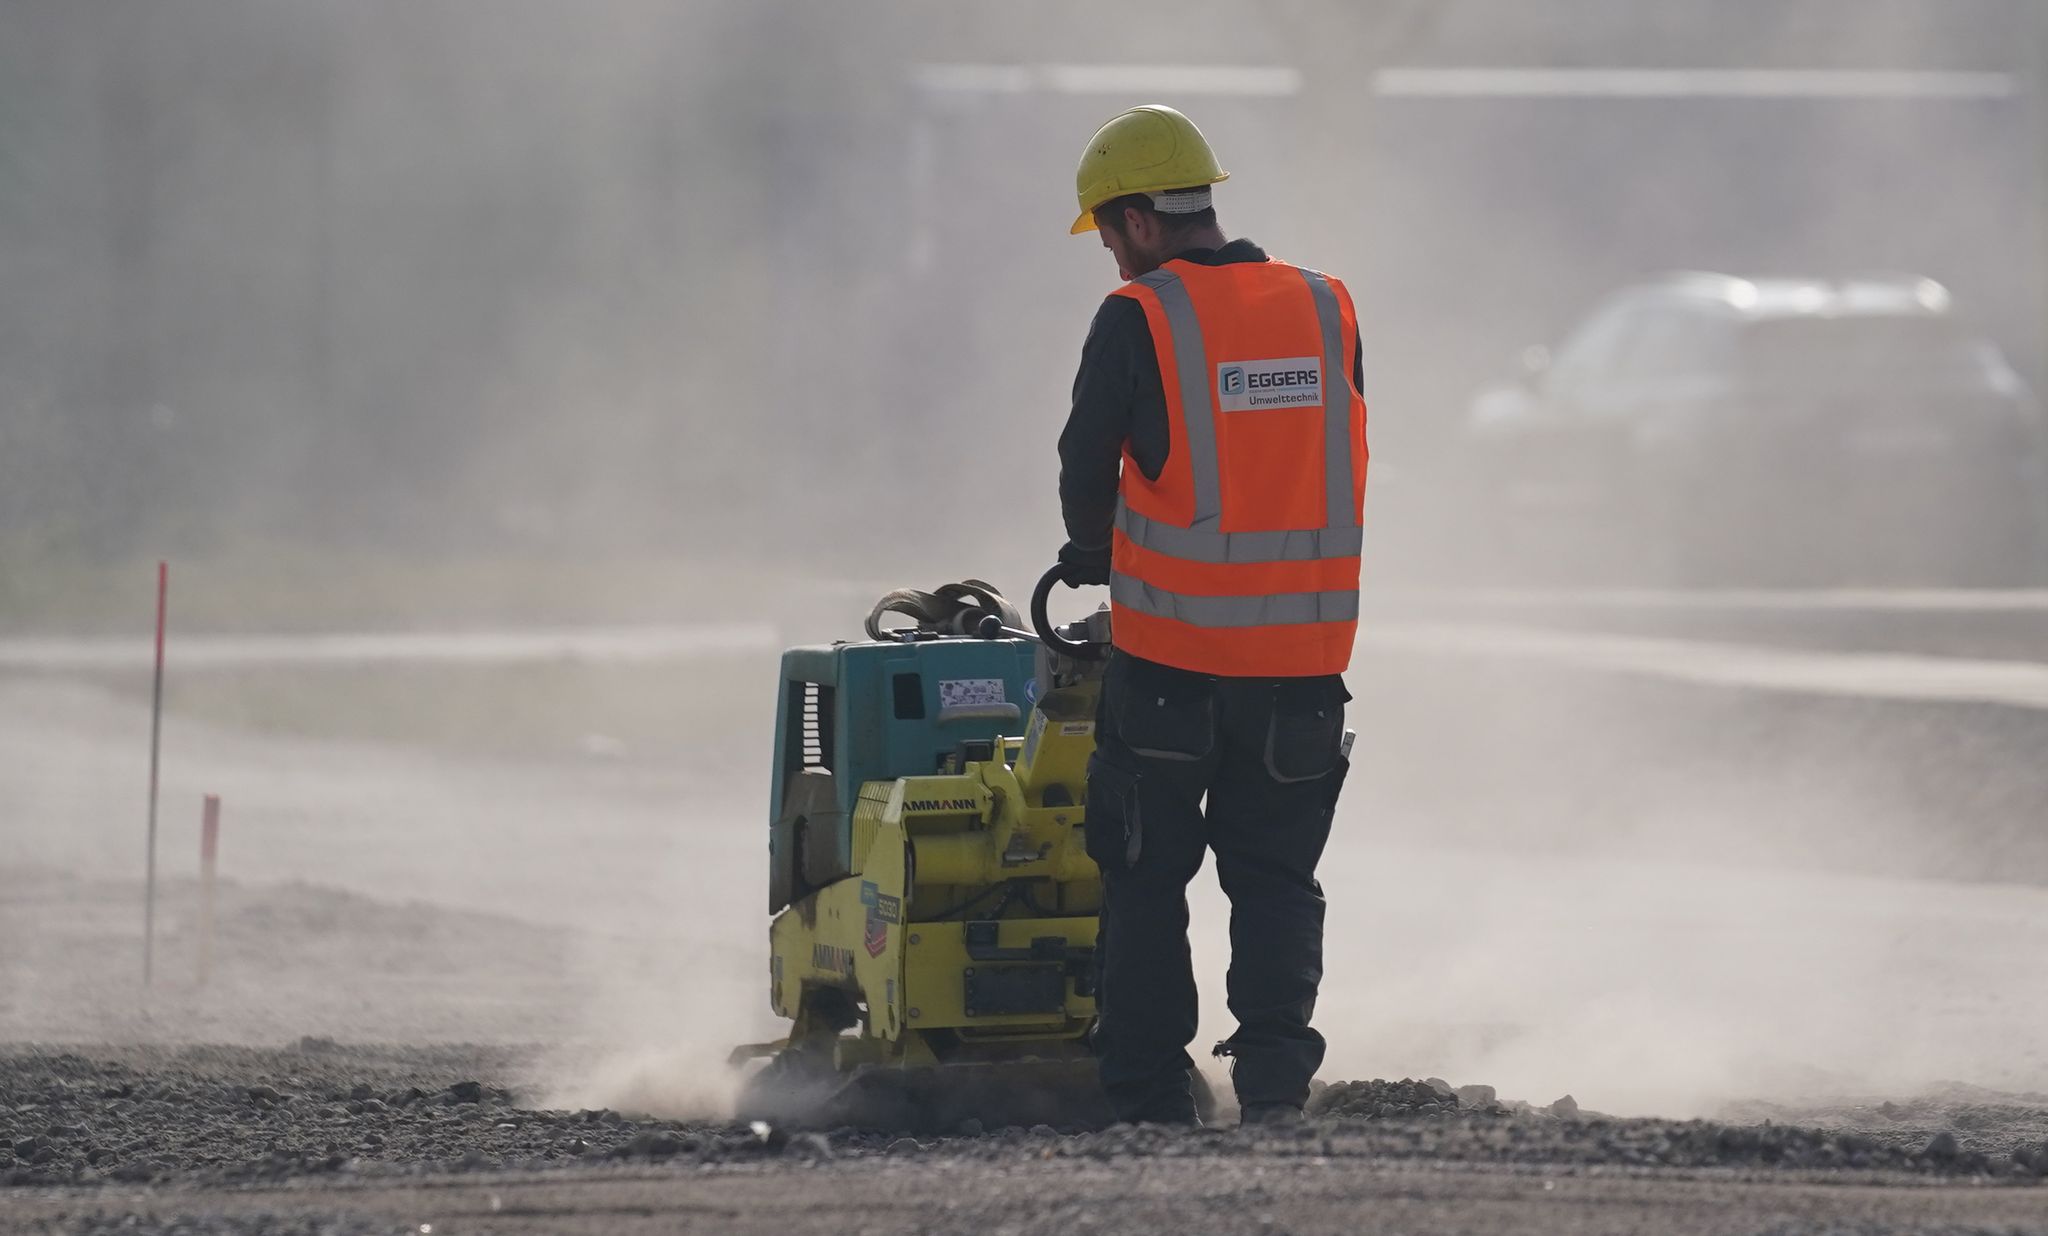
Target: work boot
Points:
(1270, 1113)
(1164, 1099)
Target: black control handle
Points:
(1080, 650)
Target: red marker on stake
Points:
(156, 724)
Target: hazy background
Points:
(789, 279)
(516, 313)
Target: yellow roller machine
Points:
(935, 908)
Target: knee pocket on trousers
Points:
(1304, 738)
(1113, 830)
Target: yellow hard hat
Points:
(1147, 149)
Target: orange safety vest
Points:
(1242, 558)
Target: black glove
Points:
(1085, 566)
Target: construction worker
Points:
(1212, 473)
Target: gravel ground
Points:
(91, 1116)
(337, 1139)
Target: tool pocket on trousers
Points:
(1336, 786)
(1113, 832)
(1161, 712)
(1304, 739)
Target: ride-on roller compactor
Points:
(935, 907)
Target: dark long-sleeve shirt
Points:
(1120, 398)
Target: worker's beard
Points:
(1132, 260)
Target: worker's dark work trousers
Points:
(1265, 754)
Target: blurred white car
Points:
(1706, 428)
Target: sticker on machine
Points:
(1260, 386)
(970, 692)
(1076, 729)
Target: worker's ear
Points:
(1141, 226)
(1126, 222)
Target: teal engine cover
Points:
(848, 714)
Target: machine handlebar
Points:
(1054, 638)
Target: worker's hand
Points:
(1085, 566)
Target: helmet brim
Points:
(1083, 222)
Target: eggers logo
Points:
(1257, 386)
(1286, 377)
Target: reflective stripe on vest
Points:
(1197, 545)
(1336, 415)
(1192, 364)
(1281, 609)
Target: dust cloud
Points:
(463, 316)
(658, 1037)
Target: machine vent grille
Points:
(815, 728)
